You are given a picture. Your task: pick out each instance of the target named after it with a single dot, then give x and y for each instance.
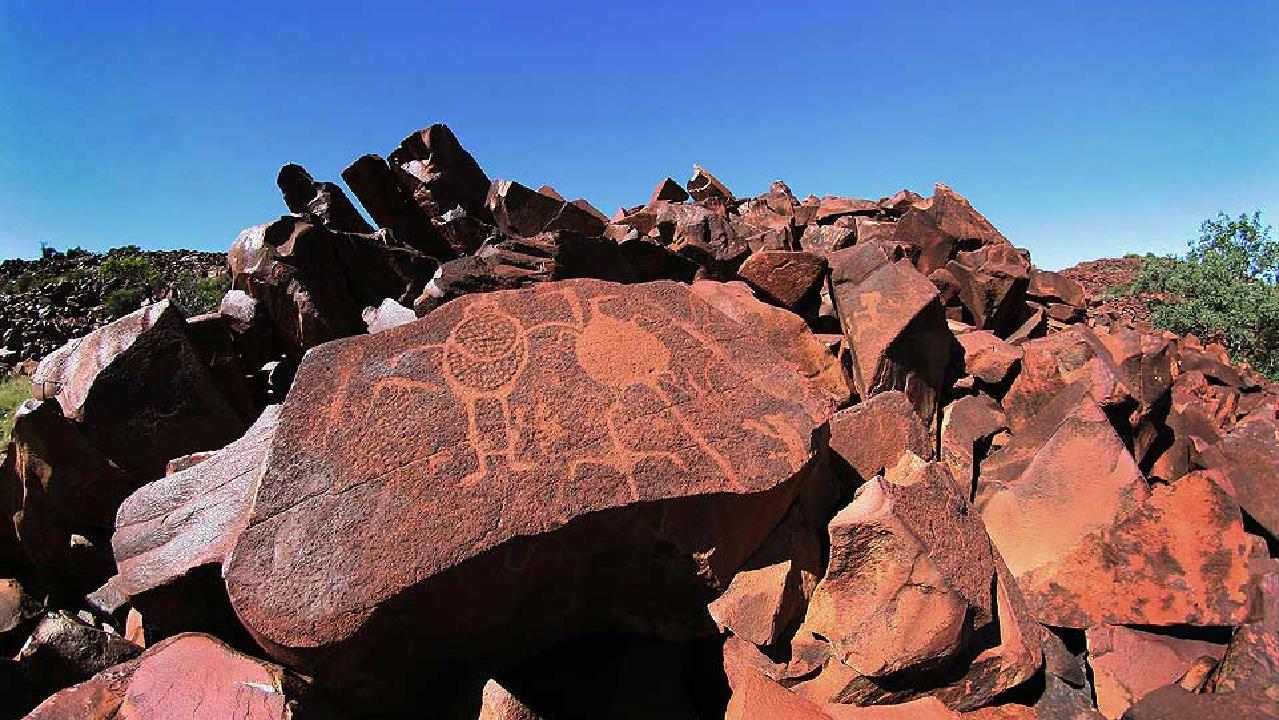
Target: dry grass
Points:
(12, 392)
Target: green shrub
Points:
(12, 392)
(124, 301)
(197, 295)
(1223, 289)
(131, 269)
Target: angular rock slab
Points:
(1066, 475)
(1127, 664)
(1249, 457)
(1180, 558)
(873, 435)
(915, 601)
(140, 391)
(191, 518)
(1172, 702)
(188, 676)
(425, 448)
(895, 325)
(783, 330)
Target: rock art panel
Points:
(510, 415)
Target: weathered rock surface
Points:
(528, 409)
(1178, 558)
(499, 704)
(894, 323)
(789, 279)
(439, 174)
(986, 357)
(874, 435)
(908, 590)
(314, 283)
(139, 391)
(192, 676)
(66, 488)
(1251, 663)
(173, 526)
(1249, 457)
(1174, 703)
(64, 650)
(1128, 664)
(323, 203)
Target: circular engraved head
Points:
(485, 333)
(486, 349)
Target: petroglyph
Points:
(509, 414)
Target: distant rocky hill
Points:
(63, 295)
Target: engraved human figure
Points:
(483, 357)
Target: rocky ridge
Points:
(490, 453)
(60, 296)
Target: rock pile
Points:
(1100, 278)
(62, 296)
(497, 455)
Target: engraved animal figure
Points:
(645, 361)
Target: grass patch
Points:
(12, 392)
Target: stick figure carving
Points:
(484, 355)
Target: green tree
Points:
(1224, 289)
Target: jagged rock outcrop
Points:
(490, 453)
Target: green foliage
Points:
(124, 301)
(1223, 289)
(132, 269)
(196, 294)
(12, 392)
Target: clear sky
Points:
(1081, 129)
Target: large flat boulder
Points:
(571, 455)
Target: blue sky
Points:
(1081, 129)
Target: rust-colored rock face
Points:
(789, 279)
(1172, 702)
(908, 588)
(1128, 664)
(986, 357)
(781, 330)
(894, 323)
(1181, 557)
(875, 434)
(504, 415)
(1249, 457)
(1066, 475)
(189, 676)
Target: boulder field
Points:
(482, 451)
